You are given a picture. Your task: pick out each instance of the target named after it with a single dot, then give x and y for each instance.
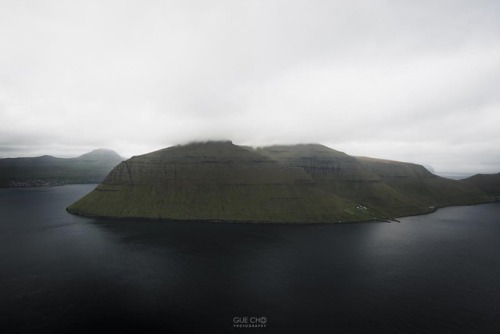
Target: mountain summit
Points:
(101, 154)
(220, 181)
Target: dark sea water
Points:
(437, 273)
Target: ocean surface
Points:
(436, 273)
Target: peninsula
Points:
(311, 183)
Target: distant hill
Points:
(91, 167)
(220, 181)
(489, 183)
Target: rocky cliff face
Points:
(320, 162)
(301, 183)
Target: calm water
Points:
(437, 273)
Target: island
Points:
(308, 183)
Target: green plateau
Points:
(311, 183)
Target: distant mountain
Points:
(91, 167)
(489, 183)
(101, 155)
(220, 181)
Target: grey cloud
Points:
(412, 80)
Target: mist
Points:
(413, 81)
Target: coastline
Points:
(374, 220)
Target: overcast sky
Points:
(406, 80)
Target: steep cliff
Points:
(212, 181)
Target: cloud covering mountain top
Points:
(414, 81)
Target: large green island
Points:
(220, 181)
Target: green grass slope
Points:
(489, 183)
(219, 181)
(427, 191)
(212, 181)
(381, 188)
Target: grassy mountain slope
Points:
(426, 190)
(489, 183)
(382, 188)
(87, 168)
(300, 183)
(212, 181)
